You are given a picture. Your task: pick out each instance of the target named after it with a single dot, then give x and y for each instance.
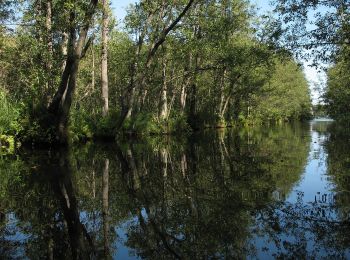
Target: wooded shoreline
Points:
(70, 73)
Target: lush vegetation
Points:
(337, 94)
(69, 73)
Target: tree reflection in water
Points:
(213, 195)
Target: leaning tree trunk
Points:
(140, 76)
(62, 100)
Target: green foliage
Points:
(9, 115)
(7, 144)
(37, 126)
(84, 126)
(106, 126)
(10, 176)
(319, 110)
(143, 124)
(337, 96)
(285, 97)
(210, 71)
(150, 124)
(80, 126)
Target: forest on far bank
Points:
(68, 72)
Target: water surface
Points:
(249, 193)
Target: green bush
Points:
(9, 116)
(179, 124)
(150, 124)
(106, 126)
(81, 126)
(37, 126)
(142, 124)
(84, 126)
(7, 144)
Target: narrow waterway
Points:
(262, 192)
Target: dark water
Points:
(278, 192)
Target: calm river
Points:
(258, 193)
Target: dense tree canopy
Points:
(175, 66)
(337, 95)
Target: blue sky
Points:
(118, 7)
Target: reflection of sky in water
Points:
(313, 187)
(314, 184)
(124, 252)
(313, 192)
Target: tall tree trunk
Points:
(229, 96)
(104, 57)
(191, 118)
(222, 95)
(64, 49)
(185, 84)
(183, 97)
(66, 102)
(61, 103)
(163, 100)
(93, 80)
(192, 107)
(49, 42)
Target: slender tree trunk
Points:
(163, 101)
(223, 109)
(39, 11)
(93, 179)
(49, 31)
(184, 165)
(185, 85)
(222, 94)
(49, 48)
(193, 89)
(64, 49)
(192, 106)
(93, 80)
(229, 96)
(183, 97)
(104, 57)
